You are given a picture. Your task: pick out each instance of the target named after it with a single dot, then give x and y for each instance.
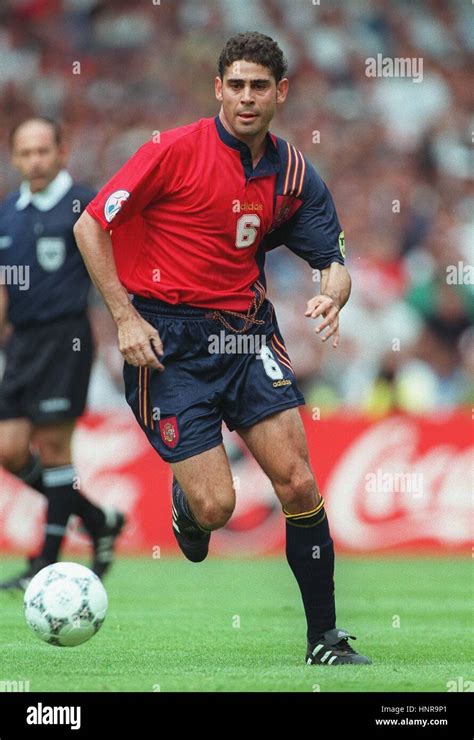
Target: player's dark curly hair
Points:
(253, 47)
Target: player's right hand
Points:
(139, 342)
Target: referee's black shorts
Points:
(47, 371)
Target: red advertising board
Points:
(397, 484)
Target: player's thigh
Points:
(178, 409)
(278, 443)
(53, 441)
(15, 435)
(206, 480)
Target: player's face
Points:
(249, 97)
(36, 155)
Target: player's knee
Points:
(51, 454)
(13, 458)
(299, 492)
(54, 449)
(214, 514)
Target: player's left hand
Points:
(6, 330)
(325, 306)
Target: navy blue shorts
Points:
(45, 379)
(217, 368)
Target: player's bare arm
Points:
(139, 342)
(335, 292)
(3, 304)
(3, 308)
(5, 326)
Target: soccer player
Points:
(184, 227)
(43, 297)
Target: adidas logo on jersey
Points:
(238, 207)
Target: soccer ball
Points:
(65, 604)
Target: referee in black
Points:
(44, 288)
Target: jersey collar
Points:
(269, 163)
(45, 200)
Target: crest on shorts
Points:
(169, 431)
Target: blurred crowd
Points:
(394, 151)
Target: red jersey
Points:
(188, 215)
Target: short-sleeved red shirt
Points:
(188, 213)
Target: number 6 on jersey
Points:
(247, 226)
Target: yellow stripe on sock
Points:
(304, 514)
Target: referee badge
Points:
(50, 252)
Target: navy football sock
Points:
(310, 555)
(57, 486)
(93, 516)
(64, 500)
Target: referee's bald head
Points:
(38, 151)
(33, 123)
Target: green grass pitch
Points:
(238, 625)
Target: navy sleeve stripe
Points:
(313, 232)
